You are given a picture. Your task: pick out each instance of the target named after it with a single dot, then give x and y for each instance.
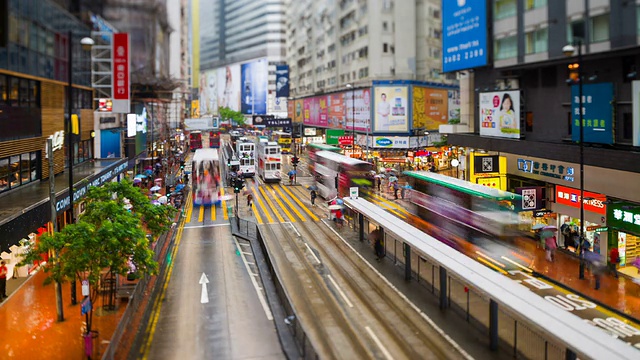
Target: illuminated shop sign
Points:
(549, 169)
(63, 204)
(593, 202)
(625, 216)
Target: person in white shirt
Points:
(384, 109)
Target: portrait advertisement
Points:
(229, 87)
(500, 114)
(208, 91)
(390, 109)
(254, 87)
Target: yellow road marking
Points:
(201, 214)
(266, 198)
(214, 209)
(490, 259)
(313, 216)
(293, 219)
(387, 207)
(391, 203)
(189, 208)
(482, 260)
(517, 264)
(224, 205)
(151, 327)
(264, 208)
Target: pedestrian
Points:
(395, 190)
(402, 190)
(597, 268)
(550, 246)
(3, 280)
(314, 195)
(249, 201)
(614, 260)
(379, 182)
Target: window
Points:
(599, 29)
(627, 126)
(575, 30)
(14, 90)
(528, 121)
(504, 8)
(385, 26)
(4, 174)
(4, 22)
(385, 48)
(3, 89)
(536, 41)
(506, 48)
(534, 4)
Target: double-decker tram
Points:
(313, 148)
(195, 140)
(214, 139)
(246, 153)
(206, 177)
(450, 202)
(269, 161)
(283, 139)
(335, 173)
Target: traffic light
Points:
(237, 185)
(182, 165)
(295, 160)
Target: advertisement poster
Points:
(208, 93)
(121, 58)
(358, 113)
(597, 113)
(298, 114)
(282, 81)
(454, 106)
(336, 111)
(391, 110)
(333, 136)
(464, 34)
(254, 87)
(276, 105)
(312, 112)
(429, 108)
(500, 114)
(290, 109)
(228, 86)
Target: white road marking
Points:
(312, 253)
(245, 253)
(293, 227)
(384, 350)
(204, 294)
(244, 244)
(263, 302)
(342, 294)
(204, 226)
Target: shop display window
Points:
(572, 229)
(4, 174)
(18, 170)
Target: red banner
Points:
(569, 196)
(120, 55)
(345, 140)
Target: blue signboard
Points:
(282, 81)
(464, 34)
(254, 87)
(597, 113)
(110, 143)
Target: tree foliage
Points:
(228, 114)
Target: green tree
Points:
(228, 114)
(107, 238)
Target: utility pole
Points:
(54, 223)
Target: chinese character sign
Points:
(596, 113)
(624, 216)
(464, 34)
(121, 59)
(500, 114)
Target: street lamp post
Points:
(353, 119)
(569, 50)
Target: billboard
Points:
(345, 110)
(464, 34)
(500, 114)
(429, 108)
(391, 109)
(357, 109)
(333, 135)
(254, 87)
(228, 87)
(282, 81)
(454, 106)
(208, 93)
(336, 111)
(298, 111)
(597, 113)
(121, 58)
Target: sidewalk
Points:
(620, 294)
(29, 327)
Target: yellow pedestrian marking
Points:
(214, 209)
(224, 205)
(387, 207)
(201, 214)
(311, 214)
(189, 208)
(391, 203)
(286, 199)
(266, 198)
(293, 219)
(264, 209)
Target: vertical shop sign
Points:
(121, 60)
(597, 113)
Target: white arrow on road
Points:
(204, 296)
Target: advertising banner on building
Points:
(228, 87)
(357, 114)
(597, 113)
(336, 111)
(454, 106)
(464, 34)
(391, 109)
(488, 170)
(500, 114)
(429, 108)
(312, 112)
(276, 105)
(282, 81)
(593, 202)
(486, 164)
(208, 93)
(532, 198)
(624, 216)
(635, 97)
(298, 111)
(391, 142)
(121, 57)
(254, 87)
(333, 135)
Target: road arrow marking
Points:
(204, 295)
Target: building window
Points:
(575, 30)
(627, 126)
(534, 4)
(599, 29)
(3, 89)
(385, 48)
(506, 48)
(18, 170)
(536, 41)
(385, 26)
(638, 22)
(504, 8)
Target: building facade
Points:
(528, 63)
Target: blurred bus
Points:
(246, 153)
(205, 177)
(214, 139)
(283, 139)
(333, 169)
(195, 140)
(269, 160)
(313, 148)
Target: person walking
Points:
(379, 183)
(314, 195)
(3, 280)
(614, 260)
(396, 187)
(550, 246)
(249, 201)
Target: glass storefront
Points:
(18, 170)
(569, 230)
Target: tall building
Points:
(240, 44)
(520, 89)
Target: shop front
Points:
(623, 220)
(567, 206)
